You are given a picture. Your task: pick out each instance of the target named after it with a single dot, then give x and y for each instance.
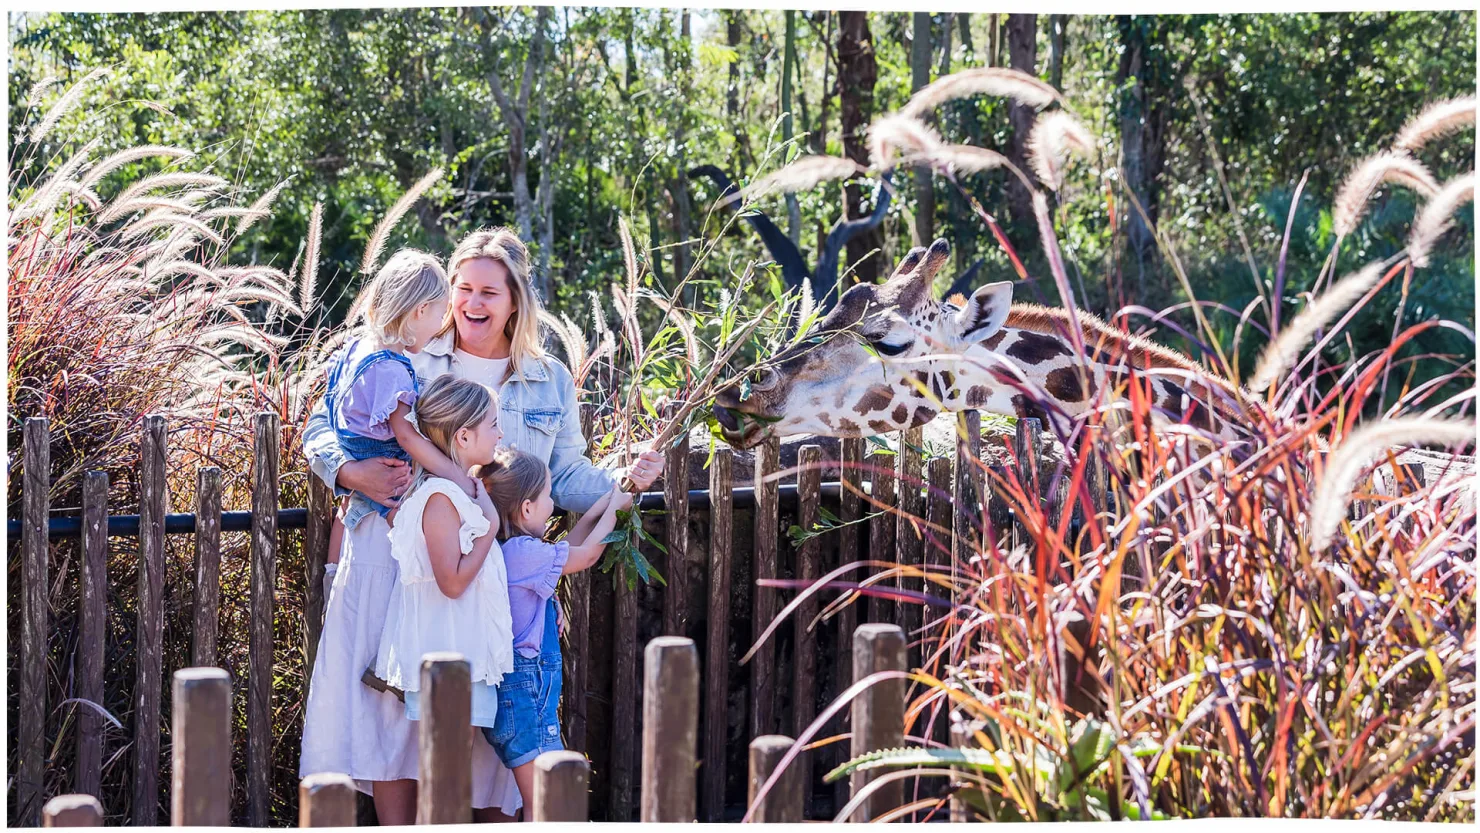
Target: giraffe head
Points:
(864, 369)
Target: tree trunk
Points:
(953, 203)
(994, 40)
(515, 115)
(788, 69)
(1057, 26)
(829, 87)
(551, 143)
(964, 21)
(1143, 78)
(920, 55)
(740, 152)
(678, 186)
(857, 72)
(1022, 44)
(945, 44)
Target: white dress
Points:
(421, 619)
(351, 728)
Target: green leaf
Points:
(1090, 742)
(716, 55)
(998, 762)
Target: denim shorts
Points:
(528, 719)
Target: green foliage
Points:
(353, 105)
(624, 553)
(1071, 784)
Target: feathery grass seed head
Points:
(1374, 171)
(1437, 217)
(1438, 119)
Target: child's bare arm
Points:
(585, 554)
(582, 529)
(427, 455)
(452, 569)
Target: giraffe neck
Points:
(1043, 361)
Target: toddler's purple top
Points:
(370, 400)
(533, 566)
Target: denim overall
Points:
(528, 721)
(355, 446)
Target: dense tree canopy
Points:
(558, 121)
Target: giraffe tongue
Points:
(726, 418)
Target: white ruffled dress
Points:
(421, 620)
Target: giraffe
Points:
(889, 357)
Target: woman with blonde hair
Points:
(493, 337)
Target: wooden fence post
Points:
(809, 568)
(881, 527)
(1096, 480)
(208, 567)
(561, 791)
(967, 490)
(153, 504)
(670, 729)
(999, 515)
(676, 529)
(445, 790)
(623, 765)
(36, 579)
(315, 557)
(1027, 444)
(909, 545)
(266, 444)
(326, 799)
(72, 811)
(717, 653)
(94, 628)
(577, 657)
(961, 738)
(200, 743)
(939, 512)
(784, 803)
(764, 607)
(878, 712)
(850, 504)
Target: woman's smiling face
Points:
(481, 307)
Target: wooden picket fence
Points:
(603, 663)
(200, 784)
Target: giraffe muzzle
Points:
(726, 418)
(738, 428)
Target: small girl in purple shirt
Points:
(527, 723)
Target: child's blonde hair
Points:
(513, 477)
(449, 405)
(523, 329)
(409, 279)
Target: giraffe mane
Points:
(1055, 320)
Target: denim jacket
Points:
(537, 412)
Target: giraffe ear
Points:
(986, 311)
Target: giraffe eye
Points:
(888, 349)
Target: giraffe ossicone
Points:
(890, 356)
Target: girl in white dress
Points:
(453, 594)
(354, 729)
